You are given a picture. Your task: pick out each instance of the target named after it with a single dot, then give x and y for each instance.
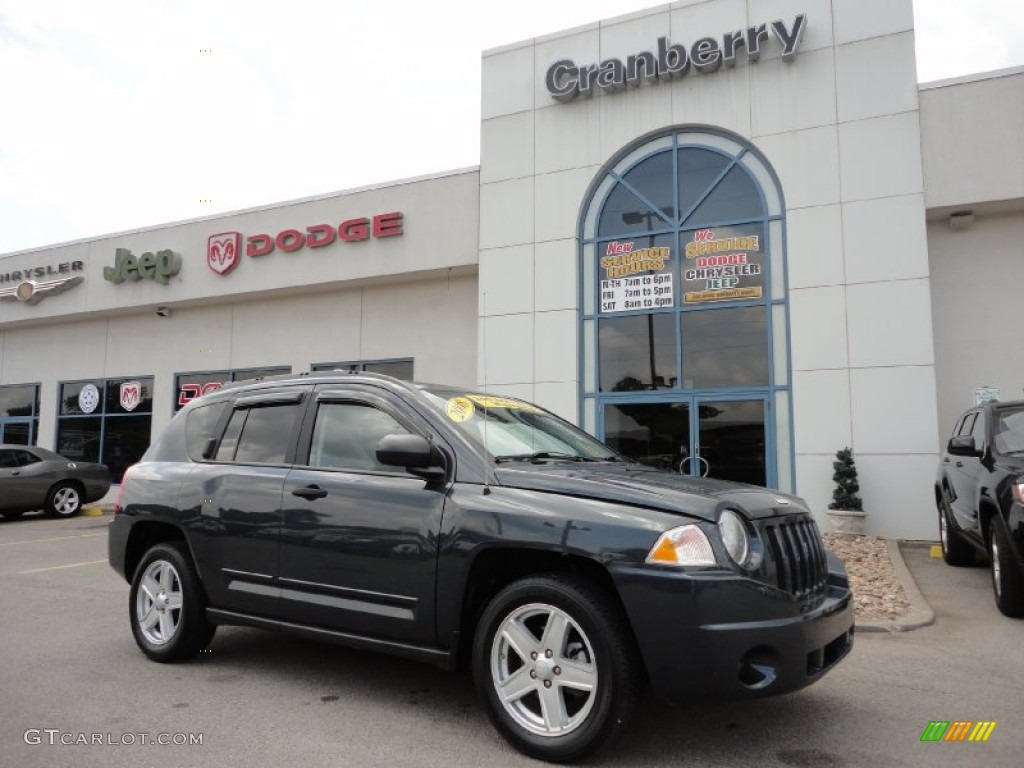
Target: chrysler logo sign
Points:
(34, 291)
(565, 80)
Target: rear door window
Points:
(261, 434)
(266, 434)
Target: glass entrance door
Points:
(656, 434)
(731, 440)
(720, 438)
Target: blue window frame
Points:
(19, 414)
(684, 336)
(105, 420)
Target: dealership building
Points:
(727, 237)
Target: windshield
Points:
(1009, 437)
(514, 430)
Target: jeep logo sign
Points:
(565, 80)
(149, 266)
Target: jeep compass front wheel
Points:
(167, 607)
(1007, 579)
(555, 667)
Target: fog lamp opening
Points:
(759, 668)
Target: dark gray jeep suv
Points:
(443, 525)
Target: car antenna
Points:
(483, 340)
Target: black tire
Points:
(64, 500)
(172, 604)
(1007, 575)
(595, 647)
(955, 551)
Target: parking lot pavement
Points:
(70, 666)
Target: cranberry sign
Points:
(223, 250)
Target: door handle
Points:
(959, 463)
(310, 492)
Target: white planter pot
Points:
(847, 521)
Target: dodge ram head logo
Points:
(222, 251)
(131, 395)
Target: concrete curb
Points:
(920, 613)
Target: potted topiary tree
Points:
(846, 510)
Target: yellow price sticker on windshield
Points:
(491, 401)
(459, 409)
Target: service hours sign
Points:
(635, 279)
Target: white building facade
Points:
(728, 237)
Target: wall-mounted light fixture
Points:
(961, 219)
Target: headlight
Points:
(685, 545)
(734, 536)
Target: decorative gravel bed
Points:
(877, 591)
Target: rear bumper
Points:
(117, 544)
(95, 490)
(714, 635)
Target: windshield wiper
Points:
(541, 455)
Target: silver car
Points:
(35, 478)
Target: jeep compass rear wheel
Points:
(167, 607)
(555, 666)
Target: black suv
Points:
(979, 491)
(448, 525)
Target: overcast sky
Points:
(113, 118)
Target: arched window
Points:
(684, 337)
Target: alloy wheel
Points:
(66, 500)
(158, 602)
(543, 670)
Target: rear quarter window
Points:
(200, 426)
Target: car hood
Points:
(1014, 463)
(638, 485)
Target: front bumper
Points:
(713, 634)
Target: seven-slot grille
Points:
(795, 546)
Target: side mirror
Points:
(414, 452)
(963, 446)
